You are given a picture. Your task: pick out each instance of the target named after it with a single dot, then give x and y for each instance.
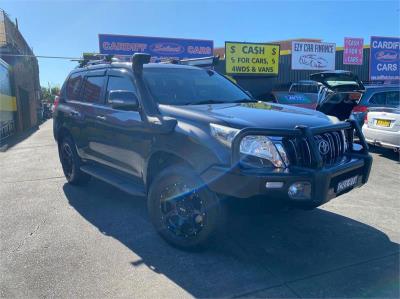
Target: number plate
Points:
(383, 122)
(346, 184)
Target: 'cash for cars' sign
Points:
(353, 51)
(313, 56)
(384, 61)
(251, 58)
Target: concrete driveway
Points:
(59, 240)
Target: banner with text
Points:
(384, 62)
(159, 48)
(251, 59)
(353, 51)
(313, 56)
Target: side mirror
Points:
(123, 100)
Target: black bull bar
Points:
(350, 126)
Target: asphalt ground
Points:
(64, 241)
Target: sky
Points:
(69, 28)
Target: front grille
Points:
(331, 146)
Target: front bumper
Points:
(248, 184)
(238, 182)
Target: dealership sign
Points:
(159, 48)
(384, 62)
(353, 51)
(251, 59)
(313, 56)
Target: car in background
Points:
(382, 127)
(340, 93)
(376, 96)
(301, 94)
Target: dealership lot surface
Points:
(64, 241)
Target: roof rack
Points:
(207, 62)
(93, 59)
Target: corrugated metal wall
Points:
(259, 86)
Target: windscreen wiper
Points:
(207, 102)
(246, 101)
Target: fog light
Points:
(300, 190)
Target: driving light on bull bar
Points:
(300, 190)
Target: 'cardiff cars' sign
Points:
(313, 56)
(384, 62)
(159, 48)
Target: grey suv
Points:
(186, 137)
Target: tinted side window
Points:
(73, 86)
(393, 98)
(378, 98)
(92, 89)
(120, 83)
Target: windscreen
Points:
(182, 86)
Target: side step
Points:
(119, 181)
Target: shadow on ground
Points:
(385, 153)
(311, 253)
(13, 140)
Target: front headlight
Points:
(253, 145)
(262, 147)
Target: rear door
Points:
(91, 100)
(69, 110)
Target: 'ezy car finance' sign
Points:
(313, 56)
(251, 59)
(160, 48)
(384, 62)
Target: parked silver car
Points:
(382, 127)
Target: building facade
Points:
(23, 72)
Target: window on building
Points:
(92, 90)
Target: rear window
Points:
(73, 86)
(387, 98)
(92, 89)
(393, 98)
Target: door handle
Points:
(101, 117)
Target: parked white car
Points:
(382, 127)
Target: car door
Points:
(91, 100)
(122, 143)
(70, 109)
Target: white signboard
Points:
(313, 56)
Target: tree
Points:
(50, 93)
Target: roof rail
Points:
(209, 61)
